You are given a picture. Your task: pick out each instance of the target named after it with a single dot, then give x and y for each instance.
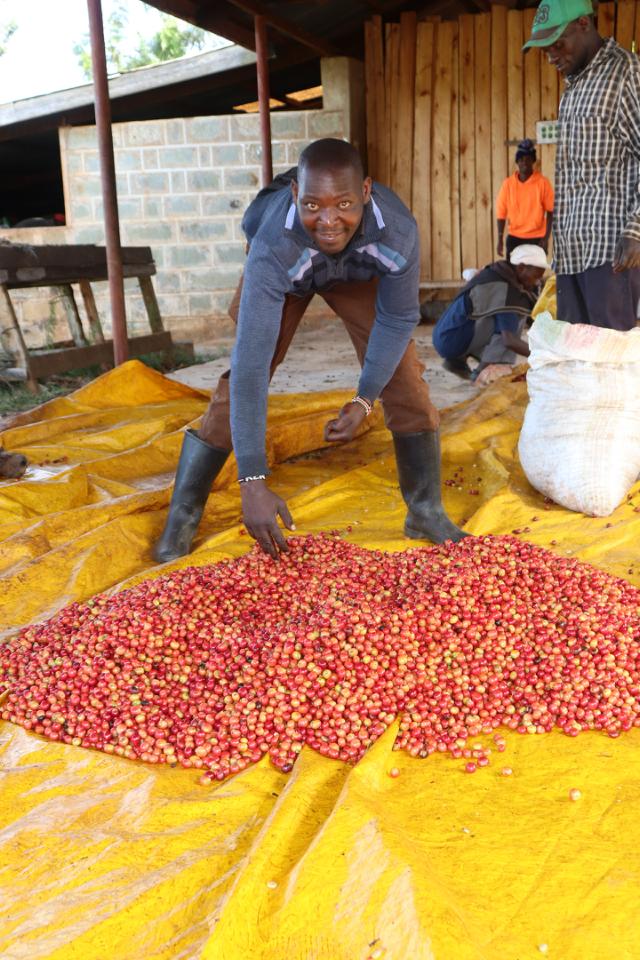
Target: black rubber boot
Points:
(198, 466)
(418, 461)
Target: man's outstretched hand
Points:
(346, 424)
(627, 254)
(260, 511)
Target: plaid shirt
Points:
(597, 178)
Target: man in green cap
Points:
(596, 225)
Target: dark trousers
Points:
(599, 297)
(513, 242)
(405, 399)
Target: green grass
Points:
(15, 397)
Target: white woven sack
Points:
(580, 440)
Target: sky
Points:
(39, 56)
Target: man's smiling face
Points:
(330, 205)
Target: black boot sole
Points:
(414, 533)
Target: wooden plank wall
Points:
(446, 102)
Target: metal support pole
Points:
(108, 177)
(263, 98)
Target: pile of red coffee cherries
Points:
(213, 667)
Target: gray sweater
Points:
(283, 260)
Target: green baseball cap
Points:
(553, 17)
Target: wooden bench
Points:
(432, 289)
(60, 266)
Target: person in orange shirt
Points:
(525, 200)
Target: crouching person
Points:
(487, 318)
(321, 228)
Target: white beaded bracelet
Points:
(260, 476)
(368, 407)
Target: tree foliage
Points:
(172, 40)
(7, 30)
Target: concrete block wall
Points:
(183, 186)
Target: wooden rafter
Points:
(282, 25)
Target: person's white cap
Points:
(530, 254)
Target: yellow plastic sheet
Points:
(106, 858)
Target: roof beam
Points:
(205, 16)
(254, 7)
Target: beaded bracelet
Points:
(368, 407)
(259, 476)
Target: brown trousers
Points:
(405, 400)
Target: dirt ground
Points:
(321, 357)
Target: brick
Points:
(130, 208)
(152, 208)
(79, 137)
(149, 182)
(287, 125)
(137, 315)
(128, 160)
(207, 129)
(325, 123)
(204, 157)
(238, 232)
(211, 280)
(253, 153)
(167, 282)
(203, 180)
(81, 211)
(100, 289)
(173, 305)
(122, 184)
(150, 159)
(176, 206)
(221, 204)
(227, 253)
(221, 300)
(117, 132)
(246, 126)
(87, 186)
(226, 154)
(93, 234)
(294, 150)
(282, 168)
(244, 178)
(91, 161)
(202, 278)
(74, 163)
(205, 230)
(189, 255)
(147, 233)
(178, 182)
(148, 133)
(200, 303)
(226, 278)
(175, 131)
(178, 157)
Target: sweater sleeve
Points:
(265, 285)
(397, 313)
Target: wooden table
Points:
(24, 266)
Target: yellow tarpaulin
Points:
(105, 858)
